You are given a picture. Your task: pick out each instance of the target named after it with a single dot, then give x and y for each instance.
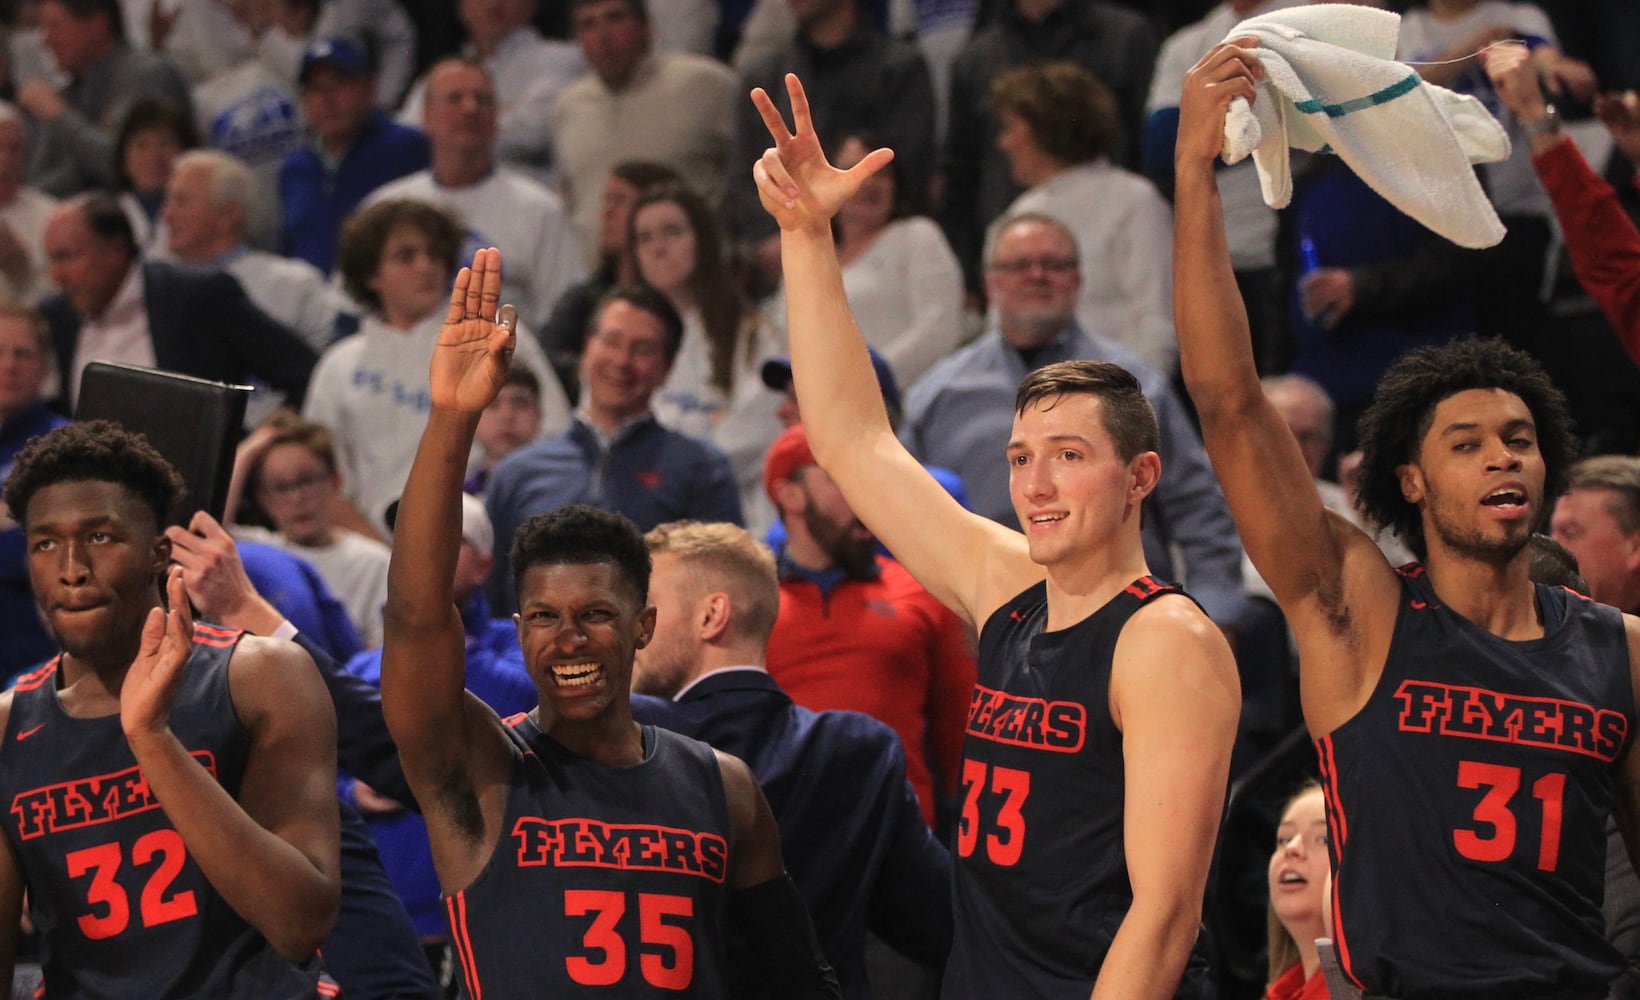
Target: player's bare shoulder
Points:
(1174, 623)
(271, 678)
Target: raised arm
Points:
(274, 853)
(968, 562)
(1317, 564)
(455, 755)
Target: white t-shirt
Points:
(541, 257)
(353, 567)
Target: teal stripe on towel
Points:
(1384, 96)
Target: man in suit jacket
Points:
(850, 826)
(115, 307)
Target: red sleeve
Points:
(951, 688)
(1600, 238)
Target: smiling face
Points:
(1032, 281)
(95, 556)
(1072, 492)
(624, 362)
(1299, 866)
(580, 625)
(1479, 477)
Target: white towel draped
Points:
(1332, 85)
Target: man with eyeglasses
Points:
(960, 414)
(614, 454)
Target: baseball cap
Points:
(476, 529)
(789, 453)
(777, 374)
(338, 52)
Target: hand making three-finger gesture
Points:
(795, 182)
(476, 341)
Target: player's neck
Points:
(90, 682)
(1078, 589)
(1498, 597)
(612, 739)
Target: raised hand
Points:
(1515, 79)
(152, 681)
(475, 344)
(1229, 70)
(1620, 113)
(795, 182)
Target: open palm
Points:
(795, 182)
(475, 344)
(154, 677)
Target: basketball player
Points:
(578, 850)
(1471, 724)
(1099, 733)
(169, 788)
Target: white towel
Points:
(1332, 84)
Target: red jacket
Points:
(1600, 238)
(887, 648)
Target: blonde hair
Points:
(1283, 950)
(726, 557)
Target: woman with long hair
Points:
(676, 249)
(1298, 898)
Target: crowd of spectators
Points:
(280, 191)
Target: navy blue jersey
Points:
(606, 882)
(1040, 878)
(122, 909)
(1467, 804)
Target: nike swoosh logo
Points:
(25, 734)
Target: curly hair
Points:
(95, 451)
(579, 534)
(365, 234)
(1392, 429)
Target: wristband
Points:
(1549, 124)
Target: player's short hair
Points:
(726, 557)
(95, 451)
(1124, 411)
(1618, 473)
(365, 233)
(1392, 429)
(579, 534)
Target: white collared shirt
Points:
(119, 335)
